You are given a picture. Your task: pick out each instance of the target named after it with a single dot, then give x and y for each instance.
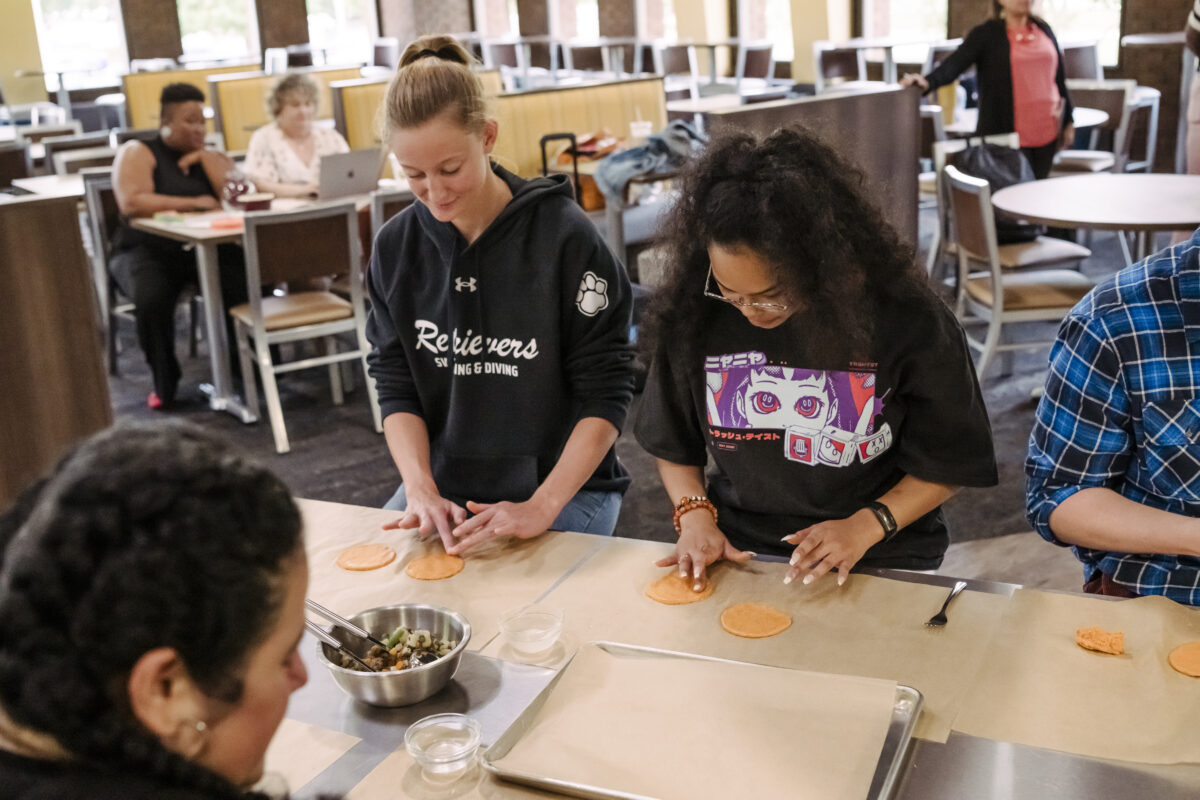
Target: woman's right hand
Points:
(913, 79)
(700, 543)
(430, 513)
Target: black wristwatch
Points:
(884, 515)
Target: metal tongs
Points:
(344, 624)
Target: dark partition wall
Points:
(54, 387)
(878, 132)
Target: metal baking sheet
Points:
(888, 772)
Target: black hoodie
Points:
(501, 346)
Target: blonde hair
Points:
(294, 83)
(434, 77)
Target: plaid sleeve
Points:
(1082, 434)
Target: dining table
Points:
(1002, 716)
(1142, 203)
(52, 185)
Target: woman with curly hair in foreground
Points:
(795, 342)
(151, 603)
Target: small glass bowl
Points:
(443, 745)
(531, 629)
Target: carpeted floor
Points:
(337, 456)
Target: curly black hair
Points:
(796, 203)
(145, 536)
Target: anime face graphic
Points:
(803, 400)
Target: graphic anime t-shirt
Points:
(793, 443)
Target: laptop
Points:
(345, 174)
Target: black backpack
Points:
(1000, 166)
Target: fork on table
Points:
(939, 619)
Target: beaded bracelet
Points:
(687, 504)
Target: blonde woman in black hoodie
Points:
(499, 325)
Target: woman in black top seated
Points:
(798, 346)
(151, 603)
(173, 172)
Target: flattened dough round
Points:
(1186, 659)
(755, 620)
(363, 557)
(673, 590)
(436, 567)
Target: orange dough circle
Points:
(436, 567)
(1186, 659)
(755, 620)
(363, 557)
(672, 590)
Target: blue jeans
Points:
(586, 512)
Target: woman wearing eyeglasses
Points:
(796, 344)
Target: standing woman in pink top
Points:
(1021, 83)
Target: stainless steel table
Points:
(494, 692)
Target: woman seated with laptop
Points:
(284, 156)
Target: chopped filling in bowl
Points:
(404, 649)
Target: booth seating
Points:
(55, 390)
(143, 90)
(358, 106)
(239, 100)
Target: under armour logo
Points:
(460, 284)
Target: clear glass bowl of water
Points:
(531, 629)
(444, 745)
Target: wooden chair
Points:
(290, 246)
(34, 134)
(1044, 251)
(938, 53)
(1115, 98)
(386, 52)
(299, 55)
(55, 145)
(1082, 60)
(755, 66)
(75, 161)
(119, 136)
(932, 131)
(990, 294)
(387, 203)
(1141, 134)
(15, 163)
(678, 66)
(103, 217)
(836, 65)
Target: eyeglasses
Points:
(708, 292)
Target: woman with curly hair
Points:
(795, 342)
(151, 603)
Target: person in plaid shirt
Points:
(1114, 458)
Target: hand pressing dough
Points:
(673, 590)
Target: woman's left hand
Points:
(189, 159)
(498, 520)
(835, 544)
(1068, 136)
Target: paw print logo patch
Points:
(592, 297)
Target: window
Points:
(341, 28)
(81, 39)
(587, 20)
(769, 20)
(218, 29)
(918, 20)
(1087, 20)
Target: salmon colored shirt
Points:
(1035, 93)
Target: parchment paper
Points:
(870, 627)
(1039, 688)
(300, 752)
(503, 576)
(399, 776)
(681, 729)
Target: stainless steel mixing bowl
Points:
(406, 686)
